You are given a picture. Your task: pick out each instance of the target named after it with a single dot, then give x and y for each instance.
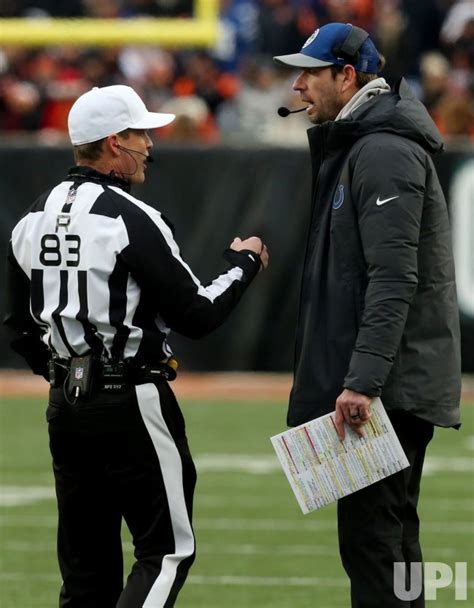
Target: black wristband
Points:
(246, 259)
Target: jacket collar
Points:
(397, 112)
(371, 89)
(331, 136)
(86, 174)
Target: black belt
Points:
(108, 376)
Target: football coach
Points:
(378, 314)
(96, 282)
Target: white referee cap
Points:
(104, 111)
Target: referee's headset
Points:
(348, 51)
(148, 158)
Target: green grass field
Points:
(255, 548)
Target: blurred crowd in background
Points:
(231, 92)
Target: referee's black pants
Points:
(122, 456)
(379, 525)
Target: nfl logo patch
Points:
(79, 373)
(71, 196)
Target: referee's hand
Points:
(255, 244)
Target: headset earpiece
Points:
(349, 49)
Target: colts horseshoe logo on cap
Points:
(338, 197)
(311, 38)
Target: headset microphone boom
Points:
(284, 112)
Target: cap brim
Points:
(299, 60)
(153, 120)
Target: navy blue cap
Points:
(336, 44)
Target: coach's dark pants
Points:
(122, 456)
(379, 525)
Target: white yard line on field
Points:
(245, 463)
(12, 496)
(254, 464)
(448, 464)
(268, 463)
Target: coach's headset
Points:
(349, 50)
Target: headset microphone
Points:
(148, 158)
(284, 112)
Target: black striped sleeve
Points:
(185, 305)
(23, 333)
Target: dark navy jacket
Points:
(378, 312)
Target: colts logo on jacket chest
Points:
(338, 199)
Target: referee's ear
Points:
(112, 145)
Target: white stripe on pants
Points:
(171, 467)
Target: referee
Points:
(95, 284)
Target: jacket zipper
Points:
(310, 231)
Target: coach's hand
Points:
(255, 244)
(353, 408)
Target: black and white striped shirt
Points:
(91, 268)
